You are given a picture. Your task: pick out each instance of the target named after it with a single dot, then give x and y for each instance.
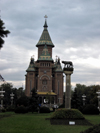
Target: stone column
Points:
(68, 93)
(68, 70)
(68, 90)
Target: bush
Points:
(23, 101)
(67, 114)
(44, 110)
(62, 106)
(33, 108)
(3, 110)
(94, 129)
(21, 109)
(11, 108)
(90, 109)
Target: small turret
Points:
(32, 60)
(58, 65)
(31, 65)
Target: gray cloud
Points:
(74, 30)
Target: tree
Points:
(89, 91)
(75, 101)
(8, 89)
(20, 92)
(34, 101)
(23, 101)
(3, 33)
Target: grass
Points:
(36, 123)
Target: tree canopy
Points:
(8, 88)
(3, 33)
(89, 91)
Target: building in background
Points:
(45, 75)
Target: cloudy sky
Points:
(74, 27)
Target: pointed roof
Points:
(45, 37)
(45, 24)
(45, 55)
(31, 66)
(58, 66)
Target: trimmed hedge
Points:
(44, 110)
(67, 114)
(94, 129)
(90, 109)
(21, 109)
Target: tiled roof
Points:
(58, 67)
(45, 37)
(46, 93)
(31, 66)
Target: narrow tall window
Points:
(30, 86)
(44, 82)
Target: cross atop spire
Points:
(45, 24)
(45, 16)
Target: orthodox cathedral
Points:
(45, 74)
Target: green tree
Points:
(3, 33)
(89, 91)
(20, 92)
(34, 101)
(92, 94)
(8, 89)
(23, 101)
(75, 101)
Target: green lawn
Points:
(36, 123)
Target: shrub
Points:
(3, 110)
(33, 108)
(44, 110)
(94, 129)
(67, 114)
(11, 108)
(62, 106)
(90, 109)
(21, 109)
(23, 101)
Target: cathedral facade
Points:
(45, 74)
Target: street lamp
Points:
(98, 92)
(84, 98)
(12, 97)
(1, 96)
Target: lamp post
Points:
(84, 98)
(12, 97)
(98, 92)
(1, 96)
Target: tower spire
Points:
(45, 24)
(45, 37)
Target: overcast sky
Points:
(73, 25)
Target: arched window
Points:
(44, 81)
